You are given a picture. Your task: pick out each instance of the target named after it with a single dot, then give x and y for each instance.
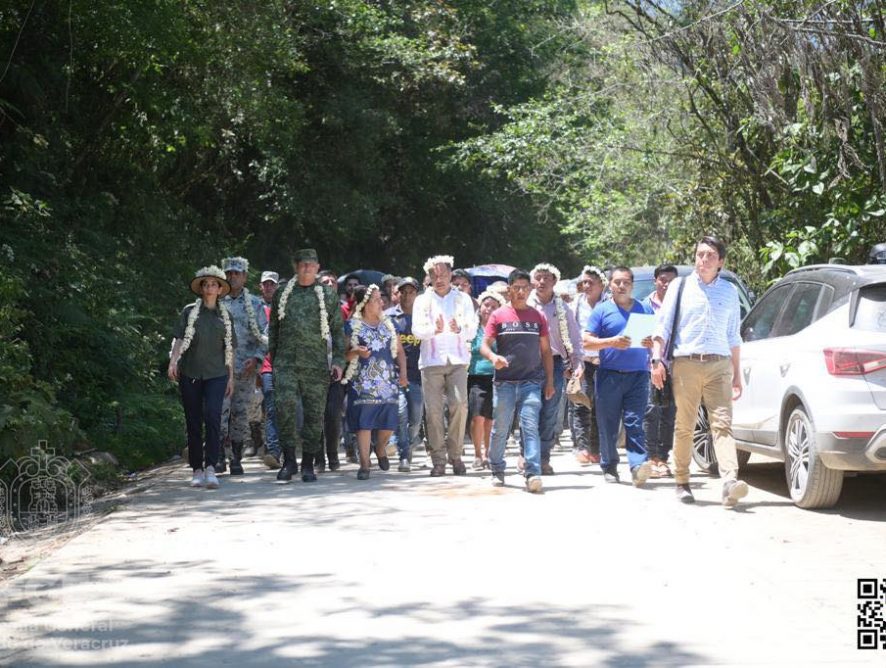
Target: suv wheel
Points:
(703, 444)
(810, 482)
(703, 453)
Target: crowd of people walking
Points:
(314, 366)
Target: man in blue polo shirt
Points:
(622, 382)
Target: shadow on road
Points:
(208, 627)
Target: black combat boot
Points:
(255, 443)
(236, 456)
(320, 462)
(222, 457)
(307, 468)
(289, 466)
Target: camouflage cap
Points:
(235, 264)
(306, 255)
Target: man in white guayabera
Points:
(443, 319)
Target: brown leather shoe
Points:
(547, 469)
(438, 470)
(459, 468)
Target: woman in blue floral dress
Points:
(376, 367)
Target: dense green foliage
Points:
(761, 121)
(141, 140)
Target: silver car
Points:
(813, 361)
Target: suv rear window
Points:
(871, 313)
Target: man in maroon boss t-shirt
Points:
(523, 362)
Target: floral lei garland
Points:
(321, 300)
(564, 328)
(357, 319)
(253, 321)
(229, 328)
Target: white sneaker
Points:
(211, 480)
(733, 491)
(404, 467)
(198, 479)
(640, 474)
(534, 484)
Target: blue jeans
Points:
(411, 409)
(272, 442)
(524, 398)
(202, 400)
(549, 421)
(621, 397)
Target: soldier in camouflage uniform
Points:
(306, 343)
(250, 321)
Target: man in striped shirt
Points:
(706, 364)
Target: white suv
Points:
(813, 361)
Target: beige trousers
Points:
(711, 382)
(449, 381)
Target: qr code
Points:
(871, 622)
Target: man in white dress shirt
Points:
(444, 319)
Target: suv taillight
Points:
(853, 361)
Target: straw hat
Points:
(210, 272)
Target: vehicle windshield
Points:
(643, 288)
(871, 313)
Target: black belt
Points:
(705, 357)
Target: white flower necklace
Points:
(355, 341)
(253, 321)
(191, 327)
(357, 319)
(321, 300)
(357, 324)
(324, 317)
(564, 327)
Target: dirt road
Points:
(405, 570)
